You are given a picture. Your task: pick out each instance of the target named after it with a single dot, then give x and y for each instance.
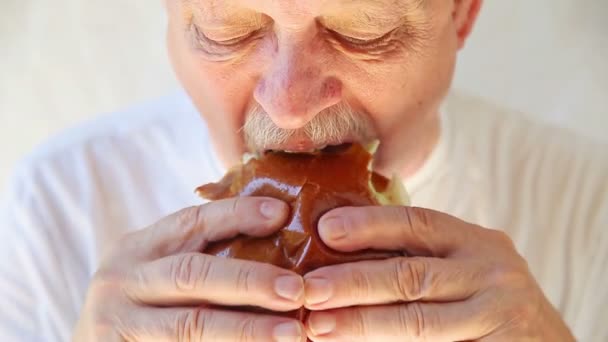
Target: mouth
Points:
(334, 147)
(310, 147)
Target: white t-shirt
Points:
(74, 195)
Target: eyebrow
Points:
(232, 15)
(399, 4)
(379, 13)
(369, 9)
(393, 6)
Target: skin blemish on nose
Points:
(310, 73)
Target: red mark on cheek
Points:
(332, 88)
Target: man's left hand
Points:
(460, 282)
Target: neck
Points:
(422, 147)
(411, 148)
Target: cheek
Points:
(226, 91)
(221, 92)
(404, 89)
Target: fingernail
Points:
(287, 332)
(289, 287)
(317, 290)
(321, 323)
(334, 228)
(271, 209)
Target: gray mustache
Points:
(335, 123)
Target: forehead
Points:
(299, 8)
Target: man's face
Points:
(293, 70)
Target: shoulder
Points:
(68, 199)
(549, 168)
(142, 119)
(113, 159)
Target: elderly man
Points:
(514, 248)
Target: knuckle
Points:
(502, 239)
(104, 295)
(525, 310)
(189, 271)
(417, 222)
(121, 248)
(405, 215)
(189, 217)
(106, 283)
(126, 330)
(138, 281)
(103, 330)
(420, 215)
(108, 325)
(247, 329)
(410, 278)
(414, 322)
(358, 325)
(509, 275)
(238, 205)
(361, 286)
(523, 313)
(245, 278)
(192, 325)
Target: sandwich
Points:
(311, 184)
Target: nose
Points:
(296, 87)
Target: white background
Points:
(63, 61)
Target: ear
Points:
(464, 15)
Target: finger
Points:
(189, 230)
(418, 231)
(194, 278)
(401, 279)
(206, 324)
(458, 321)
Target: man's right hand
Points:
(156, 285)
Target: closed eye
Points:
(227, 43)
(360, 42)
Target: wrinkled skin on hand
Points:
(312, 184)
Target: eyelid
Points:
(227, 42)
(362, 42)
